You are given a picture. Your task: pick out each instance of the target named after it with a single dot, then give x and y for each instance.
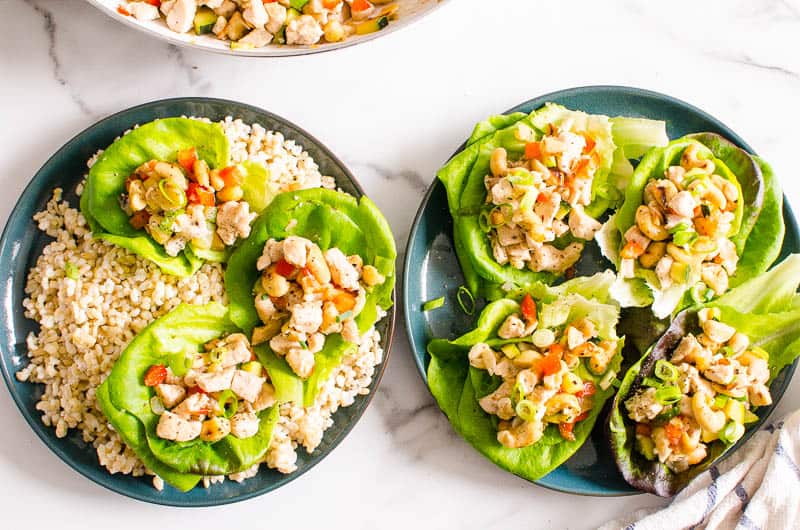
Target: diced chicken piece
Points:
(343, 273)
(143, 11)
(246, 385)
(175, 245)
(258, 38)
(549, 258)
(166, 6)
(582, 225)
(499, 402)
(276, 13)
(690, 381)
(758, 371)
(573, 145)
(521, 435)
(502, 192)
(303, 30)
(181, 16)
(281, 344)
(215, 429)
(244, 424)
(574, 337)
(315, 342)
(212, 4)
(301, 361)
(663, 268)
(634, 235)
(237, 350)
(295, 250)
(350, 331)
(509, 235)
(233, 220)
(265, 308)
(720, 372)
(272, 253)
(197, 404)
(727, 256)
(683, 203)
(170, 395)
(254, 13)
(513, 327)
(560, 228)
(548, 208)
(192, 224)
(265, 399)
(759, 395)
(483, 357)
(173, 427)
(499, 252)
(687, 350)
(306, 317)
(626, 268)
(216, 381)
(172, 379)
(718, 332)
(643, 406)
(226, 8)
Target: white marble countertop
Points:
(393, 110)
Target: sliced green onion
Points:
(652, 382)
(467, 306)
(510, 350)
(71, 270)
(344, 316)
(253, 367)
(666, 371)
(668, 395)
(727, 351)
(607, 380)
(180, 363)
(526, 410)
(731, 433)
(228, 403)
(430, 305)
(157, 406)
(178, 200)
(484, 223)
(668, 413)
(719, 401)
(683, 237)
(304, 344)
(517, 393)
(680, 227)
(216, 355)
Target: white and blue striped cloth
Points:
(756, 488)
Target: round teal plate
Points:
(22, 243)
(432, 269)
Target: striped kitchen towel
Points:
(756, 488)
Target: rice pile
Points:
(85, 323)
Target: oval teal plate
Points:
(432, 270)
(22, 243)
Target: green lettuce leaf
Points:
(330, 219)
(768, 317)
(186, 328)
(159, 140)
(457, 386)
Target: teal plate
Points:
(432, 270)
(22, 243)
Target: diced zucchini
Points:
(734, 410)
(280, 36)
(750, 417)
(292, 14)
(646, 447)
(371, 26)
(236, 28)
(298, 4)
(510, 350)
(204, 20)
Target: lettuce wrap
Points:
(161, 140)
(463, 178)
(756, 230)
(329, 219)
(457, 385)
(125, 399)
(765, 309)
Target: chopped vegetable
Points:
(436, 303)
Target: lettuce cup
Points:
(682, 236)
(691, 397)
(168, 192)
(189, 398)
(316, 273)
(527, 385)
(528, 190)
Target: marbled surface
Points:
(393, 110)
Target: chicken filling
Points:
(682, 230)
(305, 294)
(705, 392)
(532, 202)
(219, 392)
(541, 384)
(187, 202)
(250, 24)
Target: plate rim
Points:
(46, 434)
(175, 40)
(623, 89)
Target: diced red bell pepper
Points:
(533, 150)
(528, 308)
(673, 431)
(590, 143)
(551, 363)
(284, 268)
(198, 194)
(360, 5)
(196, 390)
(187, 158)
(230, 176)
(155, 375)
(122, 11)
